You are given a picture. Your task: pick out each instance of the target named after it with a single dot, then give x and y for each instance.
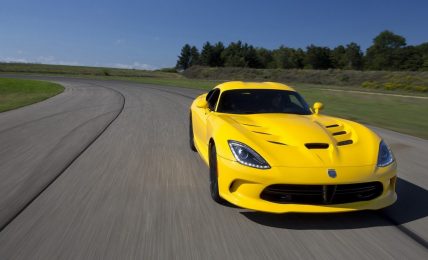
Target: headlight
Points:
(247, 156)
(385, 156)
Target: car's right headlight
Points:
(385, 156)
(247, 156)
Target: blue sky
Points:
(150, 34)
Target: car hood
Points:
(305, 140)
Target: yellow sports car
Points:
(267, 150)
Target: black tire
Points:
(215, 195)
(191, 136)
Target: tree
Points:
(233, 56)
(299, 58)
(217, 60)
(318, 58)
(194, 56)
(251, 58)
(385, 51)
(338, 57)
(354, 56)
(185, 57)
(207, 55)
(423, 51)
(288, 58)
(189, 56)
(241, 55)
(388, 52)
(409, 58)
(266, 58)
(283, 57)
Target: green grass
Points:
(405, 115)
(16, 93)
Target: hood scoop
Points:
(316, 145)
(346, 142)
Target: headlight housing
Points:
(385, 156)
(247, 156)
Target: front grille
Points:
(322, 194)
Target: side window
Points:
(212, 99)
(208, 96)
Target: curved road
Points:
(103, 171)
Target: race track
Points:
(104, 171)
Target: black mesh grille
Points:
(322, 194)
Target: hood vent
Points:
(316, 146)
(274, 142)
(329, 126)
(339, 133)
(346, 142)
(262, 133)
(251, 125)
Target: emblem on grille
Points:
(332, 173)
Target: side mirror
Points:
(201, 103)
(317, 107)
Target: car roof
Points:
(252, 85)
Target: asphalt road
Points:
(104, 171)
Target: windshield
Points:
(256, 101)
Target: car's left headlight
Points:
(247, 156)
(385, 156)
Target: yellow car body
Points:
(314, 162)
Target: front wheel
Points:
(215, 195)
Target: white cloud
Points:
(20, 60)
(134, 65)
(40, 59)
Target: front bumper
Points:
(242, 185)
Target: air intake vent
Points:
(262, 133)
(252, 125)
(329, 126)
(346, 142)
(339, 133)
(274, 142)
(316, 146)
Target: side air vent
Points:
(276, 142)
(346, 142)
(316, 146)
(339, 133)
(329, 126)
(262, 133)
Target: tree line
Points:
(389, 51)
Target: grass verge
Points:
(15, 93)
(401, 114)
